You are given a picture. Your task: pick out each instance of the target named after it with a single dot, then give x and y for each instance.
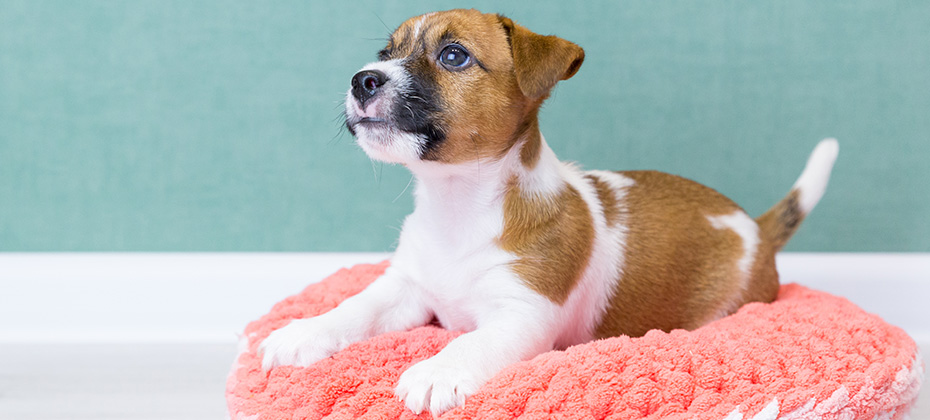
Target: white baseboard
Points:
(131, 297)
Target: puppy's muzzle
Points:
(366, 85)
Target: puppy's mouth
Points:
(370, 123)
(373, 121)
(429, 131)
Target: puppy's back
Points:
(691, 255)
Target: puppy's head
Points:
(455, 86)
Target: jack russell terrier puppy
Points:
(523, 252)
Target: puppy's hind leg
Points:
(387, 304)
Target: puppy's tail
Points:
(783, 219)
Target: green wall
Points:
(215, 125)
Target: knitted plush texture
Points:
(808, 355)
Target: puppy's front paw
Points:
(437, 385)
(300, 343)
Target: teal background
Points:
(215, 125)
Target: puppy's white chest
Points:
(454, 269)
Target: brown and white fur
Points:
(521, 251)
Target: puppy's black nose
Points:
(365, 85)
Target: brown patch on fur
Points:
(529, 154)
(764, 276)
(485, 108)
(540, 61)
(608, 199)
(781, 221)
(678, 270)
(552, 237)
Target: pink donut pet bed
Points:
(808, 355)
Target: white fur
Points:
(813, 181)
(748, 231)
(590, 298)
(419, 25)
(385, 305)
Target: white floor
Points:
(138, 381)
(114, 381)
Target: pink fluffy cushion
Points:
(807, 355)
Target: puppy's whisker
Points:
(413, 115)
(341, 129)
(374, 171)
(405, 190)
(382, 23)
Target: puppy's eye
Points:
(454, 57)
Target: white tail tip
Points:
(813, 181)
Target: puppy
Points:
(523, 252)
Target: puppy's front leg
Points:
(443, 381)
(387, 304)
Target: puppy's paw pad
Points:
(435, 386)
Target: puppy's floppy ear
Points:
(540, 61)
